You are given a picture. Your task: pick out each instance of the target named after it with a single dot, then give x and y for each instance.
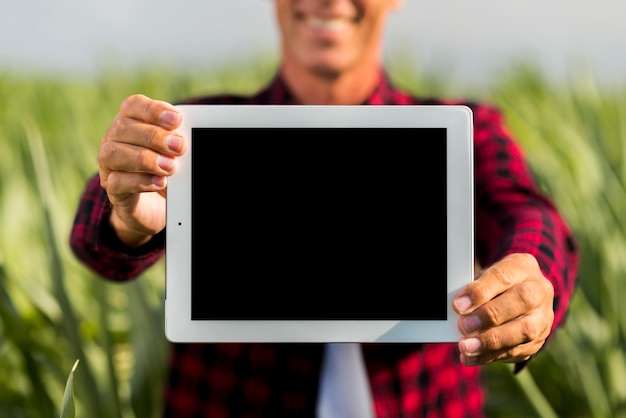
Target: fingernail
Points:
(472, 346)
(165, 163)
(174, 142)
(158, 181)
(169, 117)
(463, 303)
(471, 323)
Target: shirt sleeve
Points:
(513, 215)
(94, 242)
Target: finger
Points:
(517, 301)
(503, 356)
(513, 341)
(153, 112)
(116, 156)
(130, 131)
(493, 281)
(120, 185)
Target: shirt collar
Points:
(277, 92)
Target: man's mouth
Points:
(332, 24)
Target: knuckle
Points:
(111, 183)
(502, 275)
(104, 179)
(548, 287)
(528, 295)
(153, 138)
(528, 260)
(145, 159)
(116, 129)
(478, 291)
(513, 355)
(151, 106)
(107, 149)
(130, 102)
(547, 321)
(523, 352)
(536, 327)
(530, 330)
(493, 314)
(491, 341)
(138, 106)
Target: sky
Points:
(475, 38)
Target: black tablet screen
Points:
(319, 223)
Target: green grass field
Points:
(53, 311)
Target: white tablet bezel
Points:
(457, 119)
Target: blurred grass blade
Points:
(535, 395)
(68, 409)
(70, 321)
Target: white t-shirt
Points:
(344, 386)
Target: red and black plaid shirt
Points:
(407, 380)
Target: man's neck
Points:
(347, 88)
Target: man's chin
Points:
(327, 72)
(328, 67)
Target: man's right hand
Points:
(137, 154)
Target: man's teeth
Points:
(328, 24)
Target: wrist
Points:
(127, 236)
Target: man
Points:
(331, 54)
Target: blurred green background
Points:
(53, 311)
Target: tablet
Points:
(319, 224)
